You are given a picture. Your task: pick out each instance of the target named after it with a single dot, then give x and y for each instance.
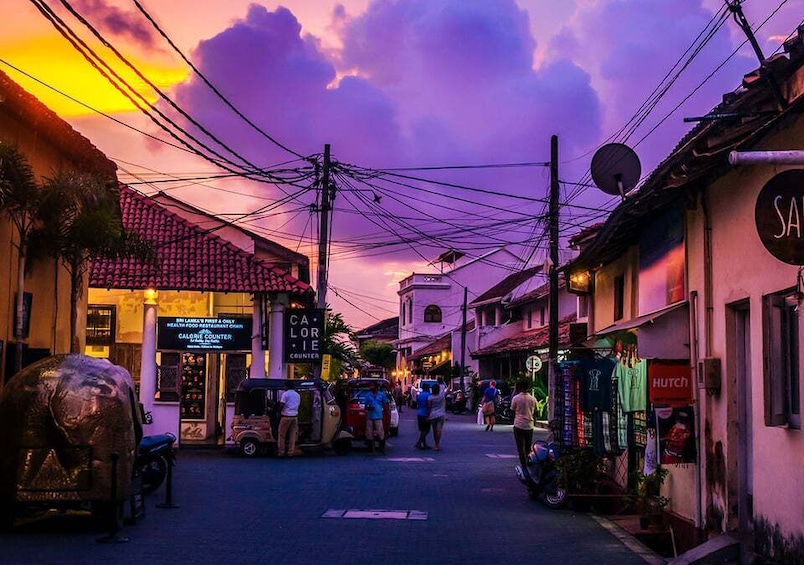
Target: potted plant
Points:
(646, 494)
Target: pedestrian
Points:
(289, 402)
(523, 405)
(422, 411)
(489, 405)
(437, 413)
(399, 396)
(375, 401)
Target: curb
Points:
(630, 541)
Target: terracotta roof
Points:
(746, 116)
(385, 329)
(528, 340)
(536, 294)
(39, 118)
(507, 285)
(436, 346)
(187, 257)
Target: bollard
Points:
(114, 507)
(168, 503)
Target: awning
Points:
(634, 323)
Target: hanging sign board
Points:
(203, 334)
(670, 383)
(304, 335)
(779, 216)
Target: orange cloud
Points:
(51, 61)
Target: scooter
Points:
(541, 475)
(459, 402)
(154, 455)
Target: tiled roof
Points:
(385, 329)
(187, 257)
(536, 294)
(41, 119)
(508, 284)
(436, 346)
(528, 340)
(748, 115)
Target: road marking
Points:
(500, 456)
(377, 514)
(410, 459)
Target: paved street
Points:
(462, 505)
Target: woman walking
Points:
(489, 405)
(437, 414)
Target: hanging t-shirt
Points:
(632, 382)
(596, 379)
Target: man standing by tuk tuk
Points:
(288, 421)
(375, 400)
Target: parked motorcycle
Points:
(154, 455)
(460, 402)
(541, 474)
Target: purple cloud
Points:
(120, 23)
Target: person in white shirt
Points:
(289, 402)
(523, 405)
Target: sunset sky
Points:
(455, 99)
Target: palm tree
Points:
(80, 219)
(19, 201)
(338, 336)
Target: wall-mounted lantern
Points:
(580, 282)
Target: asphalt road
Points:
(461, 505)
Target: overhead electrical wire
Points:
(210, 85)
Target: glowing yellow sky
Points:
(54, 62)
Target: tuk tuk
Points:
(350, 394)
(71, 425)
(256, 416)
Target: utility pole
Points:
(323, 244)
(323, 235)
(463, 337)
(552, 363)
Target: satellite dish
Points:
(616, 169)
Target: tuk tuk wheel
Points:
(249, 447)
(342, 446)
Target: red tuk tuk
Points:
(350, 394)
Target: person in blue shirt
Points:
(489, 405)
(422, 412)
(375, 401)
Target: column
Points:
(276, 337)
(148, 360)
(257, 369)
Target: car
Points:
(417, 388)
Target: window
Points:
(432, 313)
(542, 313)
(583, 306)
(619, 297)
(410, 310)
(403, 313)
(168, 381)
(530, 318)
(100, 325)
(781, 360)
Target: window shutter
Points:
(775, 360)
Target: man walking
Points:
(375, 401)
(422, 411)
(523, 404)
(289, 403)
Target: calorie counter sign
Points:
(304, 335)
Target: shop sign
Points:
(204, 334)
(304, 335)
(779, 216)
(670, 383)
